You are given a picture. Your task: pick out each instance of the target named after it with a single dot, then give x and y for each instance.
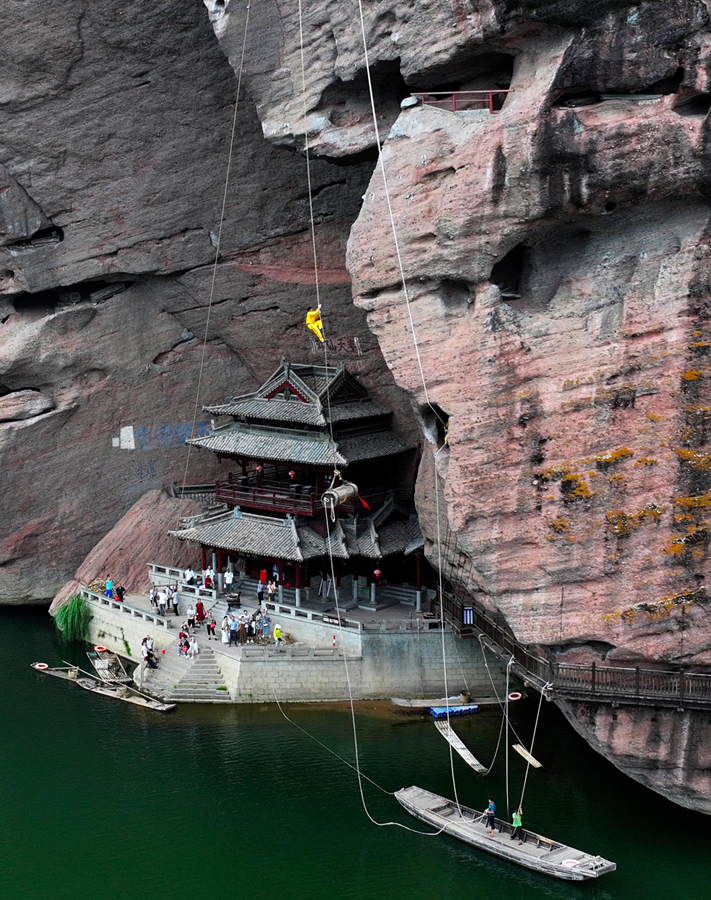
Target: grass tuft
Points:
(72, 619)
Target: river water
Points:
(101, 799)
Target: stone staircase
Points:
(180, 680)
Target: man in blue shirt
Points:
(491, 817)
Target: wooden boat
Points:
(442, 712)
(535, 852)
(91, 683)
(108, 666)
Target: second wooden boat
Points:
(533, 852)
(90, 683)
(108, 666)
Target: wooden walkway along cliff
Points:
(624, 685)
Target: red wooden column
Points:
(203, 548)
(297, 583)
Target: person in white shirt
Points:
(229, 578)
(189, 575)
(193, 647)
(162, 600)
(209, 572)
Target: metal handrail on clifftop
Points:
(461, 101)
(629, 685)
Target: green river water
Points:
(100, 799)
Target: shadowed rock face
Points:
(114, 129)
(557, 261)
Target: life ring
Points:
(41, 666)
(569, 863)
(514, 695)
(100, 649)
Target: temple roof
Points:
(307, 448)
(303, 394)
(258, 535)
(289, 539)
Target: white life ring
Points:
(41, 666)
(515, 695)
(569, 863)
(100, 649)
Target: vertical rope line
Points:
(530, 752)
(506, 716)
(217, 246)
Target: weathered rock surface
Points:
(114, 130)
(139, 537)
(557, 263)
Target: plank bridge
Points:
(618, 685)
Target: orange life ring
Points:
(41, 666)
(569, 863)
(514, 695)
(100, 649)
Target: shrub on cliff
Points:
(72, 619)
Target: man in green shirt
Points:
(516, 822)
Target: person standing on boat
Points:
(491, 817)
(516, 822)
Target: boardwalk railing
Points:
(631, 685)
(108, 603)
(459, 101)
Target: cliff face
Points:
(114, 129)
(556, 254)
(557, 259)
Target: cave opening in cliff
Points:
(435, 422)
(37, 305)
(698, 105)
(484, 72)
(508, 273)
(349, 100)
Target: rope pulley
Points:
(337, 496)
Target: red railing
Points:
(458, 101)
(267, 498)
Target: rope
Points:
(328, 749)
(506, 716)
(533, 741)
(217, 246)
(353, 717)
(486, 666)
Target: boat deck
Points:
(535, 852)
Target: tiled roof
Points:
(276, 409)
(371, 446)
(272, 445)
(357, 409)
(309, 448)
(259, 535)
(399, 536)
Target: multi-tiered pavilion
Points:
(282, 447)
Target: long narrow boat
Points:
(91, 683)
(535, 852)
(415, 703)
(108, 666)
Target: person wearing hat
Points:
(277, 638)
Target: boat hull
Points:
(562, 862)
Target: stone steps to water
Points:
(180, 680)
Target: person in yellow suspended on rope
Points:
(314, 323)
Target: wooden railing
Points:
(459, 101)
(630, 685)
(267, 498)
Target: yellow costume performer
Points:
(314, 323)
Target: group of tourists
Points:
(147, 654)
(249, 628)
(516, 821)
(164, 598)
